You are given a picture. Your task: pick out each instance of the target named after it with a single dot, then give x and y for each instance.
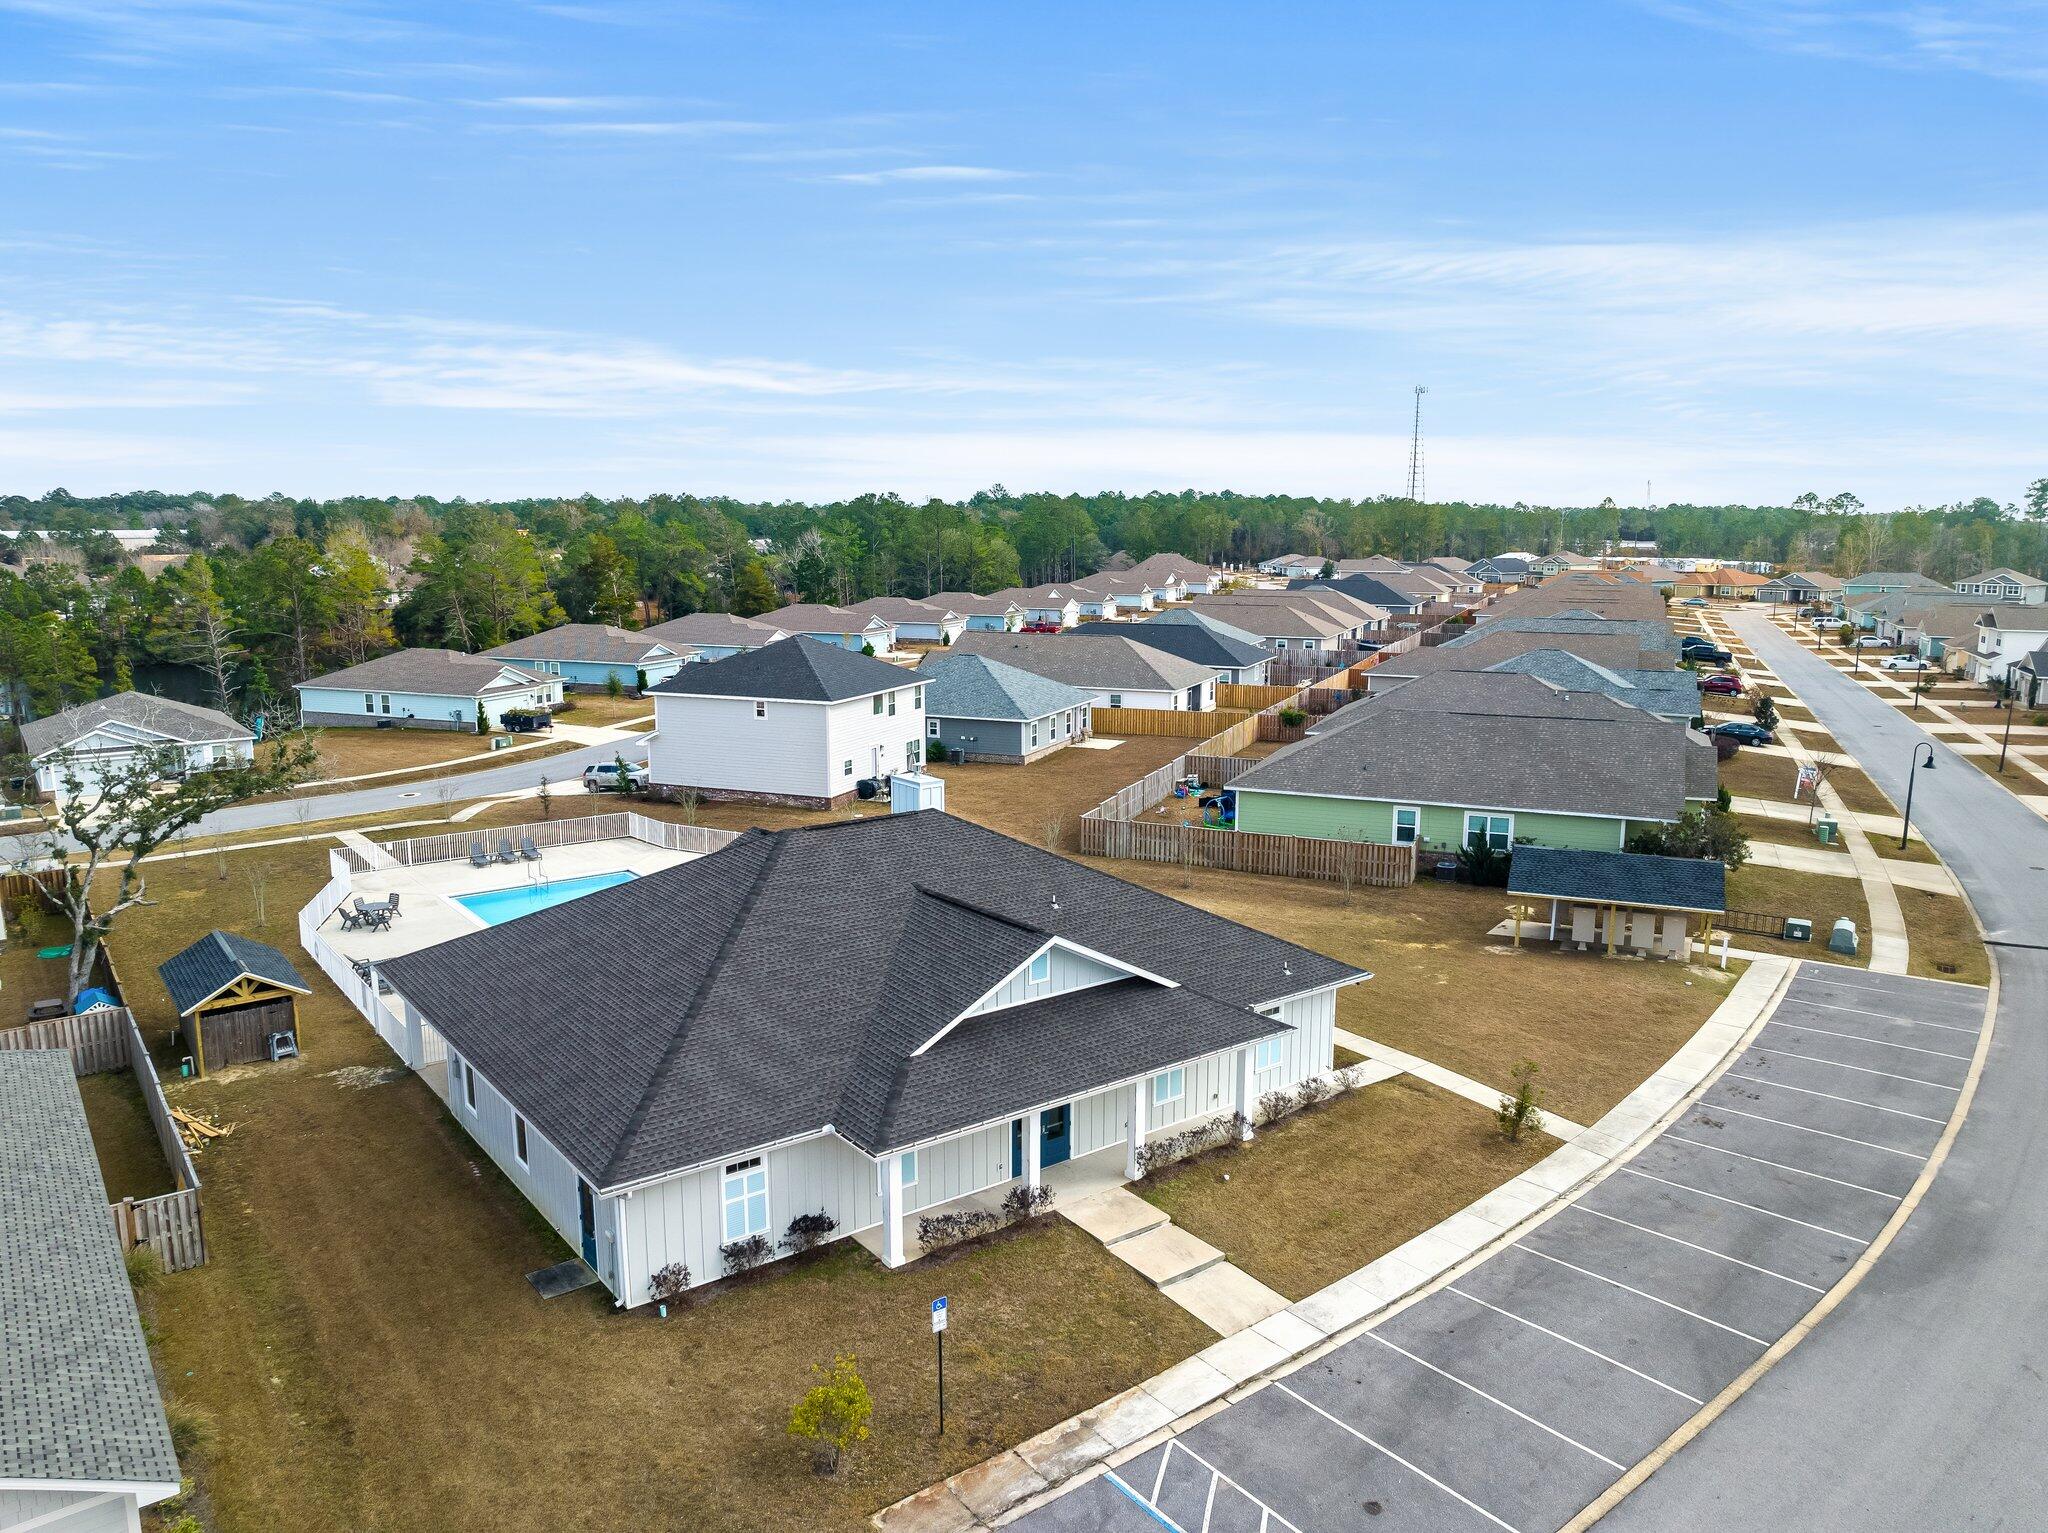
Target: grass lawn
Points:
(593, 710)
(352, 752)
(1820, 897)
(1786, 833)
(1323, 1193)
(1760, 773)
(1443, 989)
(25, 978)
(1856, 790)
(2015, 776)
(367, 1272)
(1943, 939)
(131, 1161)
(1043, 803)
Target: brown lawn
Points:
(1820, 897)
(1323, 1193)
(353, 752)
(131, 1161)
(1043, 803)
(594, 709)
(1787, 833)
(1942, 937)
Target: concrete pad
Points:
(1391, 1278)
(1242, 1356)
(1343, 1303)
(1224, 1298)
(995, 1485)
(1510, 1203)
(1165, 1253)
(1289, 1330)
(1115, 1215)
(1064, 1450)
(935, 1509)
(1189, 1385)
(1562, 1170)
(1129, 1416)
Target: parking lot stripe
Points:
(1581, 1208)
(1494, 1400)
(1141, 1503)
(1701, 1144)
(1947, 1027)
(1560, 1336)
(1377, 1447)
(1807, 1091)
(1639, 1293)
(1815, 1059)
(1859, 1038)
(1802, 1128)
(1738, 1203)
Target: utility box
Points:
(1798, 929)
(910, 791)
(1843, 939)
(1827, 829)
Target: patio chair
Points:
(351, 920)
(528, 850)
(478, 857)
(505, 852)
(391, 902)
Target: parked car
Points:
(1747, 734)
(1041, 628)
(1693, 601)
(1901, 663)
(1872, 641)
(1708, 655)
(526, 721)
(1696, 641)
(1722, 685)
(609, 777)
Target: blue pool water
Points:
(498, 906)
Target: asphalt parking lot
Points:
(1514, 1396)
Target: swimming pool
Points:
(494, 907)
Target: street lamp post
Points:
(2011, 697)
(1912, 772)
(1919, 682)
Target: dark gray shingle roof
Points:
(1206, 644)
(597, 643)
(435, 672)
(976, 687)
(713, 630)
(798, 669)
(1625, 878)
(185, 722)
(783, 984)
(78, 1399)
(1117, 663)
(216, 961)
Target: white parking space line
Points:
(1379, 1447)
(1701, 1144)
(1267, 1516)
(1581, 1208)
(1947, 1027)
(1639, 1293)
(1130, 1495)
(1802, 1128)
(1589, 1351)
(1875, 1042)
(1495, 1400)
(1754, 1208)
(1890, 1075)
(1807, 1091)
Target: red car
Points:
(1724, 685)
(1041, 628)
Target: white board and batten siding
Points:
(1069, 970)
(69, 1511)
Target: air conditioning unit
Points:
(1798, 929)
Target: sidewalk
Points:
(1130, 1423)
(1929, 877)
(1488, 1097)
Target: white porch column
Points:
(1246, 1101)
(892, 1210)
(1141, 1094)
(1033, 1133)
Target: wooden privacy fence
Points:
(1218, 771)
(1195, 846)
(1230, 695)
(96, 1041)
(169, 1225)
(1162, 721)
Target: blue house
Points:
(424, 689)
(712, 635)
(592, 655)
(994, 712)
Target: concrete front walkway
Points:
(1929, 877)
(1148, 1413)
(1488, 1097)
(1188, 1270)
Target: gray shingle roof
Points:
(1654, 635)
(799, 669)
(972, 604)
(1276, 614)
(1365, 587)
(216, 961)
(713, 630)
(816, 617)
(78, 1399)
(597, 643)
(1100, 663)
(1205, 644)
(902, 609)
(1625, 878)
(184, 722)
(435, 672)
(1668, 694)
(783, 984)
(976, 687)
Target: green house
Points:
(1496, 757)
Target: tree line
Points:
(278, 589)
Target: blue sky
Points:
(1735, 248)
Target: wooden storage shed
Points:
(234, 995)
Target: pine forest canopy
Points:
(279, 589)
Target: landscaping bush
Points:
(1210, 1134)
(1483, 867)
(1523, 1110)
(1293, 718)
(1026, 1203)
(144, 1268)
(808, 1231)
(934, 750)
(1701, 833)
(483, 720)
(833, 1414)
(669, 1284)
(743, 1256)
(1723, 799)
(1764, 709)
(613, 687)
(936, 1230)
(867, 649)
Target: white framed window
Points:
(912, 756)
(1039, 976)
(519, 1138)
(847, 769)
(1493, 830)
(760, 709)
(931, 728)
(892, 705)
(1116, 699)
(1034, 732)
(746, 1199)
(469, 1085)
(1169, 1086)
(369, 703)
(1266, 1054)
(1407, 824)
(909, 1158)
(878, 702)
(917, 697)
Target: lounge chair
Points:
(505, 852)
(478, 857)
(528, 850)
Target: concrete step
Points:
(1114, 1216)
(1166, 1254)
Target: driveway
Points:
(1514, 1396)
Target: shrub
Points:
(192, 1431)
(936, 1230)
(613, 687)
(867, 649)
(934, 750)
(745, 1255)
(1523, 1110)
(833, 1414)
(1284, 1103)
(669, 1284)
(1483, 867)
(639, 680)
(1293, 718)
(1210, 1134)
(144, 1267)
(1025, 1202)
(1701, 833)
(1723, 799)
(808, 1231)
(483, 720)
(1764, 709)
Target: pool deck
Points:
(428, 913)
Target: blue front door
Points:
(1055, 1137)
(586, 1219)
(1016, 1147)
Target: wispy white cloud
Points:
(702, 127)
(2007, 39)
(139, 30)
(928, 175)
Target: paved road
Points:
(1919, 1403)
